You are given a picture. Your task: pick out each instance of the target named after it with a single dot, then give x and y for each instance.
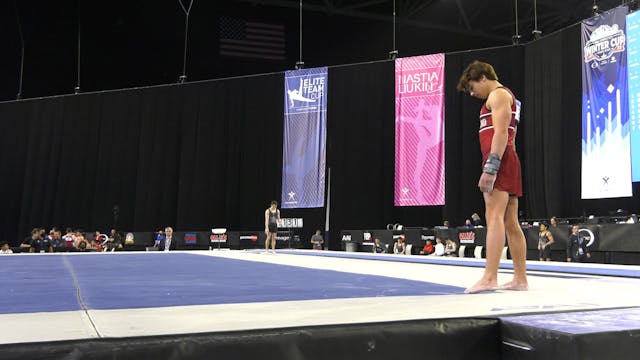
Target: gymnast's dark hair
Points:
(474, 72)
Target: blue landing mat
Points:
(120, 281)
(34, 283)
(542, 266)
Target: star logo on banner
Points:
(405, 191)
(291, 195)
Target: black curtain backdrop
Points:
(361, 145)
(194, 156)
(553, 124)
(209, 154)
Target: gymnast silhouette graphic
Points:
(296, 94)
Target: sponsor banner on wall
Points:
(633, 65)
(305, 132)
(606, 157)
(419, 142)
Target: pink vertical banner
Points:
(419, 166)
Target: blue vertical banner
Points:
(633, 62)
(606, 159)
(305, 134)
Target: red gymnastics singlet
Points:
(509, 176)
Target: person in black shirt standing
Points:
(577, 250)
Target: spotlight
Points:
(393, 54)
(595, 9)
(299, 65)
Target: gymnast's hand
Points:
(486, 182)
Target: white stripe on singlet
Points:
(489, 114)
(491, 127)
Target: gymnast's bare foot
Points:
(482, 286)
(515, 285)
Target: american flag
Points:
(250, 39)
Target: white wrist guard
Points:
(492, 165)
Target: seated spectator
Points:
(78, 236)
(553, 222)
(96, 244)
(26, 243)
(450, 248)
(475, 220)
(439, 248)
(56, 238)
(83, 246)
(378, 248)
(100, 239)
(81, 242)
(69, 238)
(169, 242)
(114, 242)
(400, 247)
(159, 238)
(428, 248)
(467, 224)
(116, 235)
(5, 249)
(317, 240)
(40, 243)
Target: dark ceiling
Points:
(493, 19)
(131, 43)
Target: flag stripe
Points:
(248, 49)
(253, 56)
(263, 25)
(268, 38)
(279, 33)
(250, 44)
